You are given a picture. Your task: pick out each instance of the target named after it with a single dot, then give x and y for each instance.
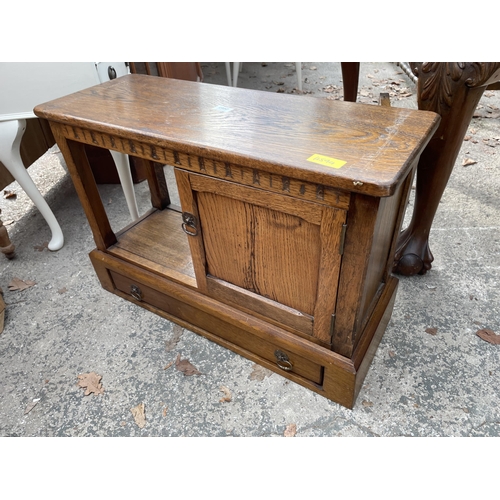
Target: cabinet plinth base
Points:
(311, 365)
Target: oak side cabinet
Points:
(283, 245)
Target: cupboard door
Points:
(265, 252)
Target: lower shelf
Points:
(306, 363)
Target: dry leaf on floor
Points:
(366, 403)
(62, 290)
(184, 366)
(9, 194)
(468, 161)
(31, 405)
(139, 414)
(42, 247)
(291, 430)
(259, 373)
(227, 395)
(16, 284)
(484, 113)
(176, 336)
(168, 365)
(91, 382)
(164, 413)
(488, 335)
(431, 331)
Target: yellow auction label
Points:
(326, 161)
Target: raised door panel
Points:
(227, 242)
(266, 252)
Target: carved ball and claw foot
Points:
(413, 256)
(452, 90)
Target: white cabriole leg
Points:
(228, 73)
(11, 133)
(123, 168)
(236, 70)
(298, 69)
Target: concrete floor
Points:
(444, 383)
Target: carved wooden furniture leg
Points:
(6, 246)
(452, 90)
(350, 79)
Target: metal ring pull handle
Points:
(283, 361)
(191, 222)
(189, 233)
(136, 292)
(285, 365)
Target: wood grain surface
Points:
(273, 132)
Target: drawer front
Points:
(284, 359)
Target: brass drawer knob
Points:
(136, 292)
(283, 361)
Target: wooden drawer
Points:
(285, 359)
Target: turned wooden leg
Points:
(6, 246)
(350, 79)
(452, 90)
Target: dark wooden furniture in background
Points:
(190, 71)
(452, 90)
(37, 139)
(291, 207)
(350, 80)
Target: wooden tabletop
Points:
(358, 147)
